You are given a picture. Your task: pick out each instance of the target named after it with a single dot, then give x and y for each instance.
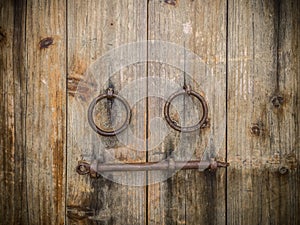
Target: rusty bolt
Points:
(283, 170)
(277, 101)
(83, 168)
(255, 129)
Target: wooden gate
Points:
(56, 56)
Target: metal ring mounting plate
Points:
(91, 117)
(189, 128)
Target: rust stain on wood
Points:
(56, 140)
(79, 66)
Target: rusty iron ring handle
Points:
(201, 122)
(97, 129)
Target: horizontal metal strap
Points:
(170, 164)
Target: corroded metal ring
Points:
(201, 122)
(109, 95)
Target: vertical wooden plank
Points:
(95, 28)
(188, 197)
(45, 111)
(263, 112)
(7, 126)
(288, 110)
(13, 206)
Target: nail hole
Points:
(277, 101)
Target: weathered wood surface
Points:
(45, 45)
(33, 104)
(45, 111)
(12, 152)
(263, 112)
(189, 197)
(94, 28)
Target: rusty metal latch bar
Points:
(96, 168)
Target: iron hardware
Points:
(186, 90)
(95, 167)
(109, 95)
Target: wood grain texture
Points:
(263, 112)
(46, 45)
(189, 197)
(95, 28)
(32, 113)
(13, 208)
(45, 111)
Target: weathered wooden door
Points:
(146, 74)
(241, 56)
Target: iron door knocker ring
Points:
(202, 121)
(109, 95)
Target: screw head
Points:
(283, 170)
(255, 129)
(83, 168)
